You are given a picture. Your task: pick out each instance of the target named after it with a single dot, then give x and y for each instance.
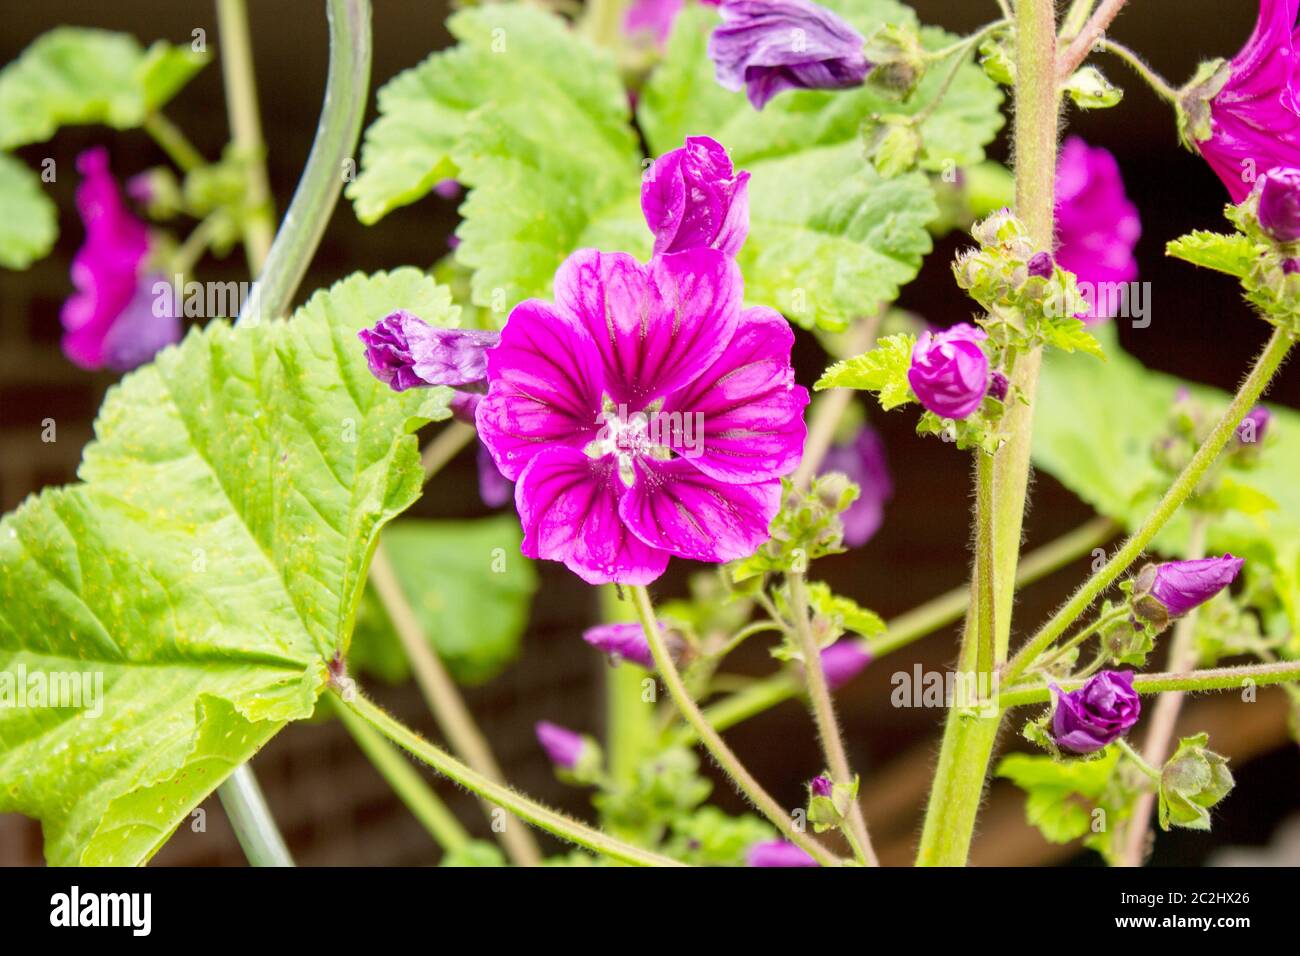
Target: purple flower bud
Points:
(999, 385)
(405, 352)
(1180, 586)
(448, 189)
(777, 853)
(843, 661)
(563, 747)
(767, 46)
(1279, 203)
(1041, 265)
(493, 487)
(1251, 429)
(950, 372)
(693, 199)
(863, 462)
(1290, 266)
(820, 786)
(625, 641)
(1098, 713)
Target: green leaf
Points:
(475, 853)
(1232, 253)
(29, 220)
(207, 568)
(1070, 335)
(882, 370)
(1060, 793)
(533, 117)
(470, 588)
(843, 614)
(74, 75)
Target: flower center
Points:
(629, 436)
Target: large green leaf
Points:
(470, 588)
(75, 75)
(29, 220)
(1094, 429)
(206, 569)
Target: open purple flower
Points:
(113, 320)
(1253, 123)
(1098, 713)
(777, 853)
(1179, 586)
(692, 199)
(644, 414)
(1279, 203)
(1097, 226)
(863, 462)
(767, 46)
(843, 661)
(950, 372)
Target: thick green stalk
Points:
(425, 805)
(714, 743)
(1266, 365)
(968, 740)
(629, 720)
(539, 816)
(251, 820)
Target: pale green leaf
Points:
(75, 75)
(207, 568)
(29, 220)
(882, 370)
(470, 588)
(1060, 794)
(1232, 253)
(1071, 335)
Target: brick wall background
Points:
(332, 806)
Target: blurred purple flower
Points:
(1097, 227)
(493, 487)
(777, 853)
(112, 320)
(863, 462)
(950, 372)
(1252, 428)
(563, 747)
(692, 198)
(1041, 265)
(655, 17)
(843, 661)
(1099, 712)
(767, 46)
(622, 641)
(448, 188)
(820, 786)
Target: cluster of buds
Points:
(829, 802)
(1270, 218)
(806, 527)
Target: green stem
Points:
(969, 739)
(1216, 678)
(823, 711)
(1266, 365)
(409, 786)
(535, 813)
(1152, 78)
(629, 719)
(246, 129)
(984, 590)
(318, 190)
(1075, 18)
(251, 820)
(1138, 759)
(1082, 44)
(723, 754)
(753, 700)
(446, 446)
(172, 141)
(962, 47)
(1102, 620)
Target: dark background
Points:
(333, 807)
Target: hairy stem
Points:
(968, 740)
(173, 142)
(444, 700)
(1081, 45)
(446, 446)
(823, 711)
(246, 128)
(723, 754)
(1212, 678)
(535, 813)
(629, 719)
(1266, 365)
(1139, 66)
(251, 820)
(425, 805)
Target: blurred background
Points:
(332, 806)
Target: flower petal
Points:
(742, 419)
(674, 506)
(657, 326)
(544, 387)
(569, 507)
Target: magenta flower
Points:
(863, 462)
(767, 46)
(820, 786)
(1252, 428)
(1279, 203)
(777, 853)
(644, 414)
(563, 747)
(622, 641)
(1099, 712)
(1097, 226)
(448, 188)
(1254, 124)
(494, 488)
(843, 661)
(655, 18)
(405, 352)
(693, 199)
(1180, 586)
(112, 320)
(950, 372)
